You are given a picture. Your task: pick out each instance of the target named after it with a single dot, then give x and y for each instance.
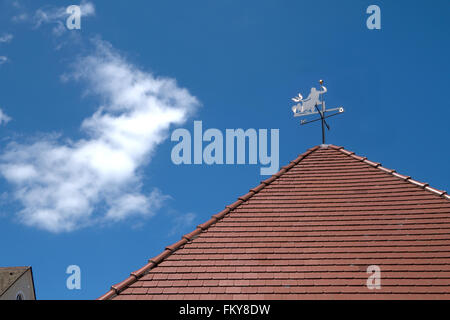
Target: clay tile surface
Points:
(311, 233)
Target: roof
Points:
(9, 275)
(310, 232)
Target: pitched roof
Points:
(9, 275)
(310, 232)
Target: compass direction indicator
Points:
(310, 106)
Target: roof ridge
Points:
(153, 262)
(423, 185)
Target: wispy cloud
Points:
(5, 38)
(16, 4)
(181, 222)
(3, 60)
(55, 16)
(21, 17)
(67, 185)
(4, 119)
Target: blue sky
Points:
(236, 65)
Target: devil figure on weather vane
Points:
(310, 105)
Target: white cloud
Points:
(4, 119)
(5, 38)
(3, 60)
(67, 185)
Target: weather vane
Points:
(310, 105)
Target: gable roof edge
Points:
(425, 186)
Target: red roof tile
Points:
(310, 232)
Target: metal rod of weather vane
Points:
(323, 114)
(323, 122)
(323, 129)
